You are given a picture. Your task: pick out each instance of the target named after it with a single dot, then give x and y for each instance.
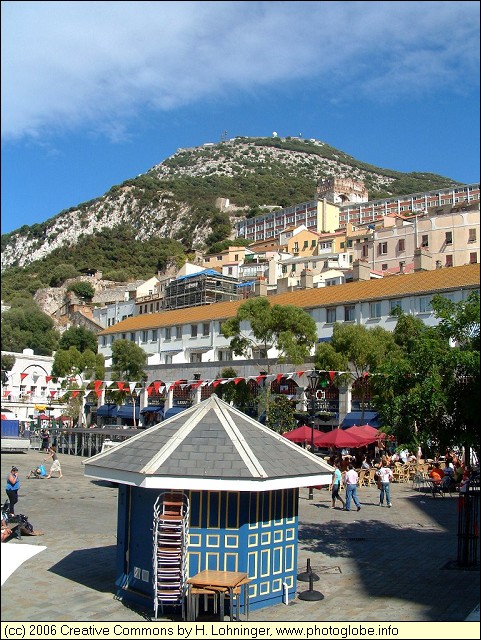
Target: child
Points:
(55, 464)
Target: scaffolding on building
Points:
(197, 289)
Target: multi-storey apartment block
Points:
(449, 234)
(193, 335)
(341, 206)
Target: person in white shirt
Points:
(365, 464)
(385, 476)
(351, 479)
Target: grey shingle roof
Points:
(210, 445)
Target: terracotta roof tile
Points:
(419, 283)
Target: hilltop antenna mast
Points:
(223, 137)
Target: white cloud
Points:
(95, 64)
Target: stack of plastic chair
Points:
(171, 530)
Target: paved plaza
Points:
(378, 564)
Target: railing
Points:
(82, 442)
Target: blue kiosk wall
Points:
(254, 532)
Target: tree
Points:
(128, 361)
(8, 362)
(72, 362)
(24, 326)
(281, 415)
(239, 393)
(67, 362)
(84, 290)
(78, 337)
(460, 323)
(355, 350)
(62, 272)
(260, 326)
(429, 390)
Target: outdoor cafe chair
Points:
(370, 477)
(362, 475)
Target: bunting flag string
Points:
(157, 386)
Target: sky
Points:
(96, 93)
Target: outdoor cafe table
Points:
(220, 582)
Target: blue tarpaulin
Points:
(127, 411)
(107, 411)
(173, 411)
(153, 408)
(354, 418)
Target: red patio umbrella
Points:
(301, 434)
(340, 438)
(367, 430)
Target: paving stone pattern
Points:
(377, 564)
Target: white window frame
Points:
(349, 310)
(375, 310)
(331, 313)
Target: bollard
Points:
(310, 594)
(306, 576)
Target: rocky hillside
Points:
(176, 198)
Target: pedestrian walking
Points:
(55, 468)
(336, 485)
(385, 475)
(45, 435)
(13, 485)
(350, 481)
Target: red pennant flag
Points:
(120, 386)
(98, 392)
(52, 393)
(279, 377)
(300, 373)
(216, 383)
(75, 393)
(48, 378)
(156, 386)
(97, 384)
(237, 380)
(259, 378)
(23, 376)
(149, 390)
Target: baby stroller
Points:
(39, 472)
(24, 525)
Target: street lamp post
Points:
(313, 382)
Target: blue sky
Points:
(95, 93)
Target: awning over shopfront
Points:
(174, 411)
(107, 411)
(354, 418)
(127, 411)
(153, 409)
